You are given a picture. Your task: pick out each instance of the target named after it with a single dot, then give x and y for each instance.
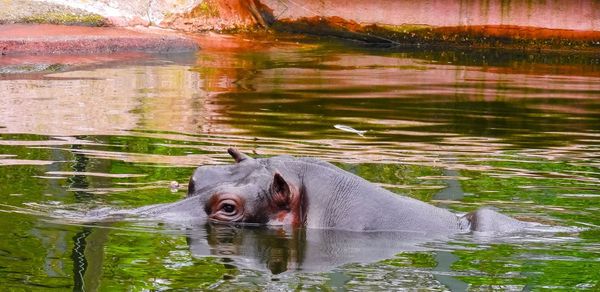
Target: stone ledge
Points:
(47, 39)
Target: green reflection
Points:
(505, 265)
(415, 260)
(556, 189)
(141, 261)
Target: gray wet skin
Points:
(306, 192)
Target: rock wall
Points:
(131, 12)
(551, 14)
(509, 24)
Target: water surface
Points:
(460, 130)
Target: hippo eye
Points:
(228, 208)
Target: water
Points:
(460, 130)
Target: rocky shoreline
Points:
(58, 27)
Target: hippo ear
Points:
(237, 155)
(280, 192)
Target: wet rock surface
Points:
(504, 37)
(45, 39)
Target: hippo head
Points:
(250, 191)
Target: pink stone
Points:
(44, 39)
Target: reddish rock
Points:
(221, 15)
(46, 39)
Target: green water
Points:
(519, 132)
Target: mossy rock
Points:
(34, 68)
(66, 19)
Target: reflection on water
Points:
(307, 250)
(458, 129)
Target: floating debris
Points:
(350, 129)
(174, 186)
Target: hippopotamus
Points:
(310, 193)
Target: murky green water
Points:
(458, 129)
